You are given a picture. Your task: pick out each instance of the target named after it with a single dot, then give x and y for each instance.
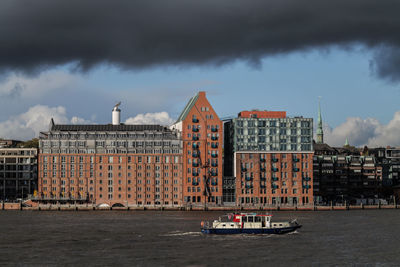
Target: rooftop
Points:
(262, 114)
(107, 127)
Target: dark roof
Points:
(108, 127)
(323, 146)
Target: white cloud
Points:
(162, 118)
(29, 124)
(18, 85)
(362, 132)
(78, 120)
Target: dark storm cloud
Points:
(141, 34)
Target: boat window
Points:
(250, 219)
(257, 219)
(244, 219)
(280, 224)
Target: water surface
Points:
(166, 238)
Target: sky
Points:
(73, 62)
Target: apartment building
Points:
(271, 156)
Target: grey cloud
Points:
(143, 34)
(369, 131)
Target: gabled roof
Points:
(187, 108)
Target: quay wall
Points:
(89, 207)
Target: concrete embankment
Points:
(55, 207)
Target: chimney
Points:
(116, 115)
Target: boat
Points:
(248, 223)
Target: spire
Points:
(347, 142)
(320, 132)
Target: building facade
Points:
(113, 164)
(202, 134)
(271, 156)
(7, 143)
(18, 173)
(343, 174)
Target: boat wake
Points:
(179, 233)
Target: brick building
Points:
(113, 164)
(201, 131)
(271, 157)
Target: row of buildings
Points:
(257, 158)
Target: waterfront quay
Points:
(90, 207)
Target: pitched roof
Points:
(187, 108)
(108, 127)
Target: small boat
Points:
(248, 223)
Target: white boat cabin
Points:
(247, 221)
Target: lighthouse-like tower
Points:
(320, 132)
(116, 114)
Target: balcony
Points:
(194, 129)
(213, 145)
(274, 160)
(195, 146)
(296, 160)
(306, 186)
(244, 169)
(195, 164)
(214, 164)
(195, 155)
(263, 178)
(195, 173)
(263, 186)
(214, 138)
(262, 159)
(214, 130)
(274, 178)
(213, 173)
(195, 138)
(274, 169)
(249, 186)
(214, 183)
(248, 178)
(296, 169)
(307, 178)
(262, 169)
(195, 183)
(195, 120)
(214, 155)
(274, 186)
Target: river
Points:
(170, 238)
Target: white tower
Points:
(116, 114)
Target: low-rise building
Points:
(344, 175)
(18, 173)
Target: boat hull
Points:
(227, 231)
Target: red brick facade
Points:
(262, 114)
(202, 141)
(129, 180)
(272, 178)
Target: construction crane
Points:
(206, 167)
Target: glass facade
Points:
(272, 134)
